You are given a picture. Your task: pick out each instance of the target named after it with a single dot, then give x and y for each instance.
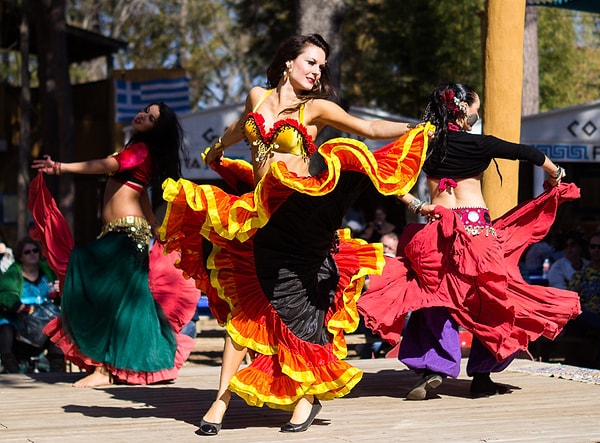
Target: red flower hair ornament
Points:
(453, 102)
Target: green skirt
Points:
(108, 310)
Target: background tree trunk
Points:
(56, 107)
(64, 102)
(25, 130)
(531, 79)
(325, 17)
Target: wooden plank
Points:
(45, 408)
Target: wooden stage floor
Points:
(43, 408)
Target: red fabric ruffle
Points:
(177, 296)
(238, 174)
(221, 217)
(49, 227)
(185, 345)
(288, 368)
(476, 277)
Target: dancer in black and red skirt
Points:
(278, 273)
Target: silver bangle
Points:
(415, 204)
(560, 173)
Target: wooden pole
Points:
(501, 103)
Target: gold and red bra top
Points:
(287, 136)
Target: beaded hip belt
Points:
(476, 220)
(136, 228)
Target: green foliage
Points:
(10, 67)
(198, 36)
(569, 57)
(394, 52)
(408, 49)
(267, 23)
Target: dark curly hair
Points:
(288, 50)
(441, 110)
(165, 143)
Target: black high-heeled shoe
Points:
(208, 428)
(291, 427)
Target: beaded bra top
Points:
(287, 136)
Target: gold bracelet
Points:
(218, 145)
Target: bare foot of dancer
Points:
(100, 377)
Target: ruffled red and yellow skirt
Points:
(278, 272)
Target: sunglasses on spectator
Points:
(593, 246)
(31, 251)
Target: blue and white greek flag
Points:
(131, 96)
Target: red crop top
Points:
(135, 166)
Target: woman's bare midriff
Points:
(294, 163)
(120, 201)
(466, 194)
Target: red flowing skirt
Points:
(477, 278)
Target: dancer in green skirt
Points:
(114, 323)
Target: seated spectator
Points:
(562, 270)
(537, 253)
(587, 284)
(378, 226)
(390, 244)
(191, 328)
(26, 283)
